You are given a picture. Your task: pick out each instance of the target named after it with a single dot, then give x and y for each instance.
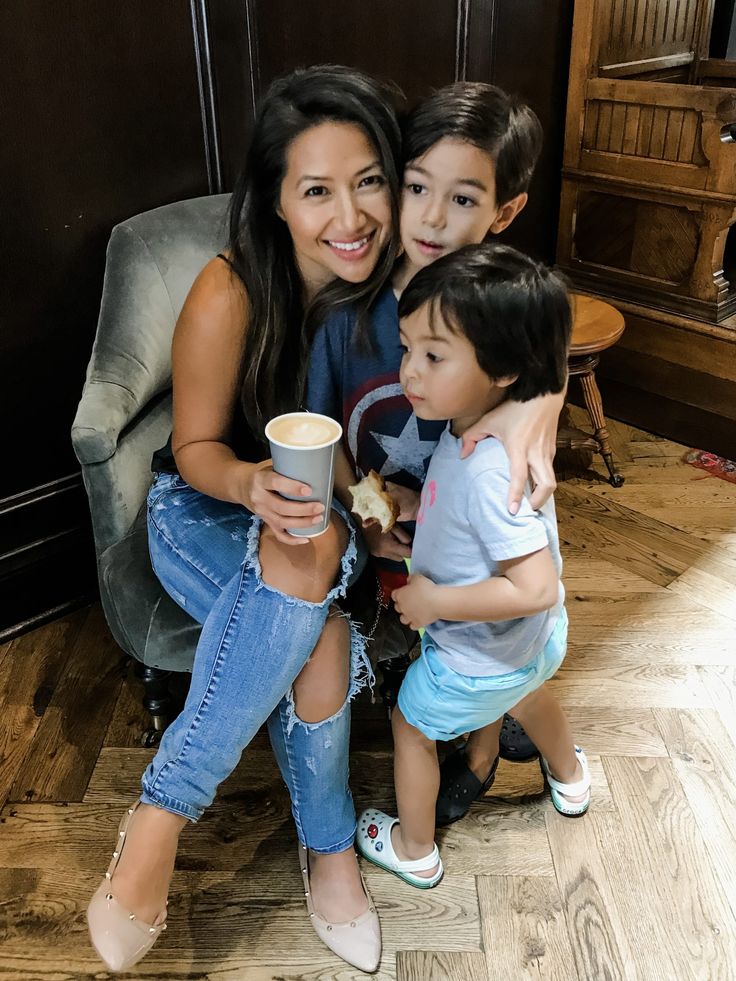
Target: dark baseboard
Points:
(47, 557)
(693, 427)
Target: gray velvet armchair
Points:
(125, 414)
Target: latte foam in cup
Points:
(303, 429)
(303, 447)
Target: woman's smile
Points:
(352, 249)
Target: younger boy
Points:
(478, 326)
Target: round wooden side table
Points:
(596, 326)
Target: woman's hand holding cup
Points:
(262, 495)
(303, 449)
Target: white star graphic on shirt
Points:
(405, 451)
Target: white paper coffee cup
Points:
(303, 447)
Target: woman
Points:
(313, 227)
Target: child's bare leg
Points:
(481, 749)
(417, 780)
(541, 715)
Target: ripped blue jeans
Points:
(254, 642)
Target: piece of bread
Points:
(371, 500)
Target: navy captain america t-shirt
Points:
(360, 388)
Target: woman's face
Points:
(336, 202)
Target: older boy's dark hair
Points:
(488, 118)
(513, 310)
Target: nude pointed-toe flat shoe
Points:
(356, 941)
(118, 936)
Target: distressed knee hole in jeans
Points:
(361, 671)
(347, 572)
(361, 674)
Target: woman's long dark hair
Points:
(280, 328)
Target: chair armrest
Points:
(105, 410)
(131, 356)
(152, 261)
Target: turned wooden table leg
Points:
(596, 326)
(594, 405)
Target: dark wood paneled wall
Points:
(530, 55)
(101, 120)
(521, 45)
(114, 109)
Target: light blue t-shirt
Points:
(464, 530)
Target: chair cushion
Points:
(143, 618)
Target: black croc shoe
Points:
(459, 787)
(514, 744)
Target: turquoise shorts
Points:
(443, 704)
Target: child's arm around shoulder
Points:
(528, 430)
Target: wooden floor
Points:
(642, 887)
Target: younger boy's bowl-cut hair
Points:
(513, 310)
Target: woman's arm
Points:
(526, 586)
(528, 431)
(207, 355)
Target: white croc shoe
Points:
(373, 841)
(562, 791)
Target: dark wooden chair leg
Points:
(161, 699)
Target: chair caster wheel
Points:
(617, 480)
(151, 737)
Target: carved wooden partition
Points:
(656, 39)
(649, 179)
